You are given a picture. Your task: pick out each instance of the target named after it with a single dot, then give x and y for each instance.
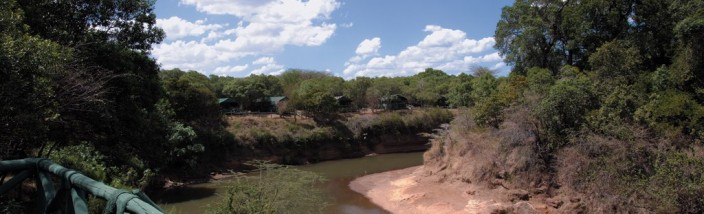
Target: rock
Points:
(519, 195)
(540, 190)
(573, 208)
(575, 200)
(498, 183)
(501, 209)
(502, 174)
(471, 192)
(524, 208)
(554, 202)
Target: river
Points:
(196, 198)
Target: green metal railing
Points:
(69, 196)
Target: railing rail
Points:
(70, 195)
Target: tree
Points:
(483, 87)
(381, 87)
(460, 94)
(28, 65)
(616, 62)
(563, 110)
(425, 88)
(192, 100)
(356, 89)
(553, 33)
(540, 80)
(84, 74)
(291, 79)
(254, 91)
(218, 83)
(528, 34)
(130, 24)
(317, 96)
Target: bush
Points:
(488, 112)
(673, 112)
(562, 111)
(539, 80)
(273, 189)
(677, 183)
(616, 112)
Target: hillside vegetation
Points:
(602, 111)
(302, 140)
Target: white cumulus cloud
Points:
(176, 28)
(369, 46)
(267, 65)
(229, 70)
(264, 28)
(443, 48)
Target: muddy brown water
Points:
(197, 198)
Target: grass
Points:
(253, 130)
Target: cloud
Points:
(369, 46)
(230, 7)
(229, 70)
(264, 28)
(267, 66)
(445, 49)
(177, 28)
(188, 55)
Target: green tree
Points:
(483, 87)
(527, 34)
(459, 95)
(317, 96)
(553, 33)
(356, 89)
(563, 110)
(540, 80)
(87, 68)
(28, 67)
(615, 62)
(254, 91)
(291, 79)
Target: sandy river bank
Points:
(410, 190)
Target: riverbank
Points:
(414, 190)
(195, 198)
(300, 141)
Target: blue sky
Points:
(348, 38)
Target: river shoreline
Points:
(194, 198)
(414, 190)
(405, 191)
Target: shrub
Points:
(677, 183)
(673, 111)
(539, 80)
(562, 111)
(488, 112)
(616, 112)
(273, 189)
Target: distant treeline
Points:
(316, 92)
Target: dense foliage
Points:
(605, 97)
(74, 74)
